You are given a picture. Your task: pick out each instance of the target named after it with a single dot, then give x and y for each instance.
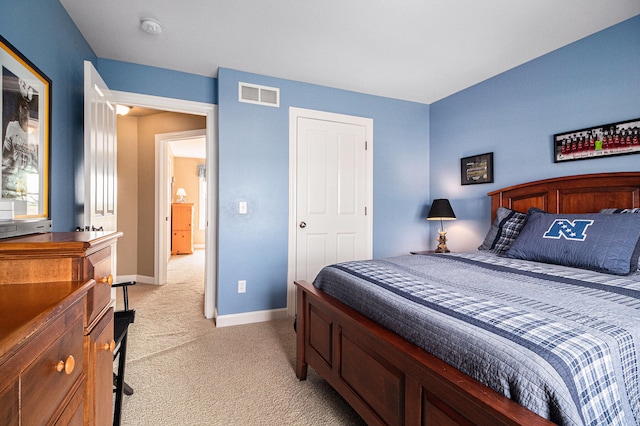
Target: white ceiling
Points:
(417, 50)
(189, 148)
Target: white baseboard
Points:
(221, 320)
(250, 317)
(142, 279)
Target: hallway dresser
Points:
(182, 228)
(56, 328)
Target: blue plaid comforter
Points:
(562, 342)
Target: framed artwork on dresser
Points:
(25, 111)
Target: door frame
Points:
(162, 170)
(210, 111)
(294, 114)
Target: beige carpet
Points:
(187, 372)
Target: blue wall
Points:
(134, 78)
(417, 148)
(515, 115)
(43, 32)
(254, 167)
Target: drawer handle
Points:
(67, 365)
(109, 346)
(108, 280)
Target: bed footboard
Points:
(386, 379)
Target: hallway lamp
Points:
(441, 210)
(182, 195)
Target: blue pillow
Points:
(601, 242)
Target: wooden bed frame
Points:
(388, 380)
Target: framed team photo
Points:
(606, 140)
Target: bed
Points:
(395, 375)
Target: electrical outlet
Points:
(242, 286)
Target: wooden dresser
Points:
(59, 287)
(182, 228)
(41, 353)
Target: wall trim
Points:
(139, 279)
(250, 317)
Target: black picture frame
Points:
(25, 116)
(606, 140)
(476, 169)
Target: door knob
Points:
(303, 224)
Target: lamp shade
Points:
(441, 210)
(181, 192)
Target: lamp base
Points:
(442, 242)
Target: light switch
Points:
(242, 207)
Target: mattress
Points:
(562, 342)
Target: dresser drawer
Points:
(44, 388)
(25, 270)
(73, 414)
(98, 268)
(9, 399)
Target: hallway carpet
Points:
(185, 371)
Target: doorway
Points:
(179, 164)
(209, 111)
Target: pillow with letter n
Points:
(601, 242)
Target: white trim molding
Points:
(250, 317)
(139, 279)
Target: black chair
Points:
(121, 321)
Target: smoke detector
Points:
(151, 26)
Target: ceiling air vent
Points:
(261, 95)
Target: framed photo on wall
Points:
(25, 102)
(596, 142)
(476, 169)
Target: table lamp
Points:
(441, 210)
(182, 195)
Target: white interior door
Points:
(332, 207)
(100, 143)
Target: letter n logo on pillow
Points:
(574, 230)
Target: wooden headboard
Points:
(571, 194)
